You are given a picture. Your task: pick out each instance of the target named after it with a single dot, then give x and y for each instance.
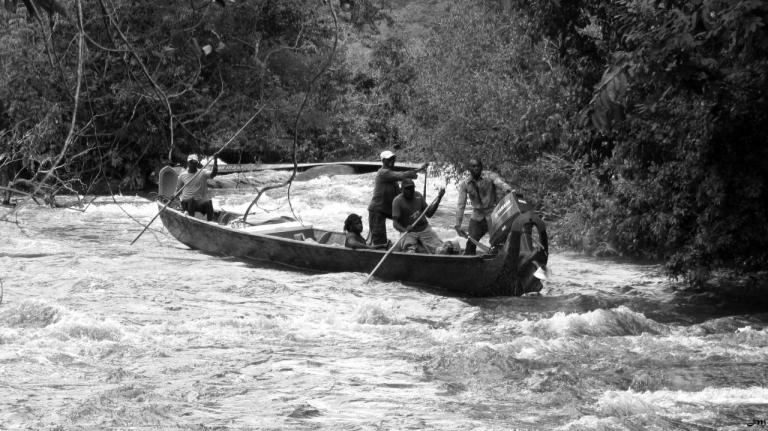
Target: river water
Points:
(96, 333)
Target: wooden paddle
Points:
(482, 247)
(391, 249)
(213, 157)
(175, 195)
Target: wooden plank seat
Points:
(287, 229)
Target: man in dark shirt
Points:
(384, 191)
(406, 209)
(482, 189)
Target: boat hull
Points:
(488, 275)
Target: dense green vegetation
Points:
(639, 127)
(675, 93)
(161, 79)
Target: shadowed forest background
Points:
(639, 128)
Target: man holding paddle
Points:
(409, 222)
(195, 197)
(409, 215)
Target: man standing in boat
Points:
(195, 197)
(482, 188)
(406, 209)
(384, 191)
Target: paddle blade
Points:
(542, 273)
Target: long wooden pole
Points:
(213, 157)
(391, 249)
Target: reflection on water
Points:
(96, 333)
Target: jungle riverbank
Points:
(640, 126)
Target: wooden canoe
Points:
(508, 270)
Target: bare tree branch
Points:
(160, 92)
(308, 93)
(71, 133)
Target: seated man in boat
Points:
(353, 229)
(409, 215)
(194, 196)
(484, 190)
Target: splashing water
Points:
(96, 333)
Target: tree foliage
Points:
(162, 79)
(640, 124)
(484, 88)
(678, 123)
(34, 7)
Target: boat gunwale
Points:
(311, 245)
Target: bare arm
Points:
(500, 184)
(396, 216)
(462, 204)
(353, 242)
(390, 175)
(433, 206)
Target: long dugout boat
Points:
(518, 239)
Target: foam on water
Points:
(375, 314)
(87, 328)
(29, 314)
(756, 395)
(96, 333)
(619, 321)
(664, 409)
(326, 201)
(37, 325)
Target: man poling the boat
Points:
(170, 198)
(397, 244)
(385, 189)
(194, 196)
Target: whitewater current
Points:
(96, 333)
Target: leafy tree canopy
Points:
(640, 125)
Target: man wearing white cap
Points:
(385, 189)
(195, 197)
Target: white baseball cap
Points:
(193, 157)
(387, 155)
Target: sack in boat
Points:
(449, 247)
